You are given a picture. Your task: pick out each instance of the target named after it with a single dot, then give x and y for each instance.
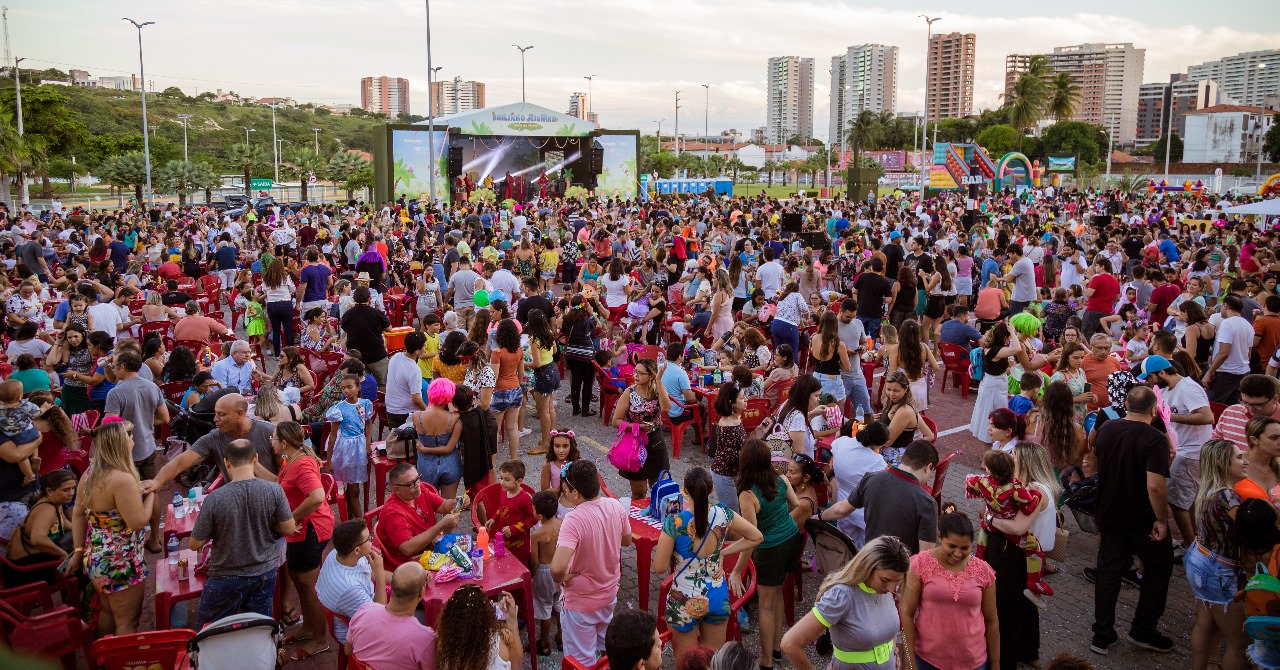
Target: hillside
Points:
(110, 122)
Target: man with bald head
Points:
(232, 421)
(388, 636)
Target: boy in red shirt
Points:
(514, 516)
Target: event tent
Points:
(1262, 208)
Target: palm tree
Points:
(345, 168)
(862, 133)
(715, 165)
(1063, 94)
(246, 157)
(769, 166)
(304, 163)
(185, 177)
(125, 170)
(1027, 99)
(734, 164)
(11, 150)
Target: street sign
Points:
(260, 183)
(311, 179)
(974, 179)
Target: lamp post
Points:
(676, 132)
(521, 49)
(706, 122)
(248, 130)
(1257, 84)
(142, 78)
(17, 84)
(924, 123)
(431, 126)
(591, 103)
(317, 132)
(184, 118)
(660, 134)
(275, 143)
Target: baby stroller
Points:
(185, 427)
(238, 642)
(1081, 497)
(832, 550)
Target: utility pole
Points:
(248, 130)
(17, 84)
(928, 44)
(317, 132)
(521, 49)
(660, 135)
(706, 122)
(142, 78)
(184, 118)
(431, 126)
(275, 143)
(591, 102)
(1261, 118)
(677, 130)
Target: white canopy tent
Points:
(1262, 208)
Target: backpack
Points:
(629, 450)
(779, 440)
(1262, 601)
(975, 364)
(664, 497)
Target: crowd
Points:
(1124, 343)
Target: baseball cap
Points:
(895, 235)
(1154, 364)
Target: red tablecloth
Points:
(500, 574)
(645, 535)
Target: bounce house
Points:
(1271, 186)
(1015, 169)
(1186, 187)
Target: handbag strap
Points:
(696, 552)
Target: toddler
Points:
(1028, 396)
(1005, 497)
(16, 426)
(514, 515)
(542, 546)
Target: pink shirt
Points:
(387, 642)
(950, 629)
(594, 530)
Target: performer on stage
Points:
(470, 185)
(508, 188)
(459, 187)
(542, 185)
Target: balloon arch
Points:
(1011, 170)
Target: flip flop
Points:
(537, 451)
(293, 639)
(303, 654)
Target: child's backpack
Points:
(629, 450)
(1262, 601)
(975, 364)
(664, 497)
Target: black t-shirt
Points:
(530, 303)
(1132, 246)
(872, 290)
(920, 261)
(175, 298)
(364, 325)
(894, 254)
(1127, 451)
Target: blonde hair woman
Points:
(109, 521)
(856, 605)
(1213, 564)
(270, 407)
(644, 403)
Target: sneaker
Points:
(1132, 578)
(1151, 642)
(744, 622)
(1034, 598)
(526, 431)
(1091, 575)
(1101, 644)
(1179, 551)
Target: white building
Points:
(1239, 77)
(789, 99)
(1225, 134)
(122, 83)
(456, 96)
(1109, 77)
(864, 77)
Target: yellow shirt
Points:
(427, 365)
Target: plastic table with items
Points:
(645, 532)
(501, 574)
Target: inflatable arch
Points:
(1015, 157)
(1272, 185)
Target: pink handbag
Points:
(629, 449)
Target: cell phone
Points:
(457, 506)
(497, 611)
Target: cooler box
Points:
(395, 338)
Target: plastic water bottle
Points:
(171, 547)
(477, 558)
(499, 546)
(191, 500)
(717, 378)
(179, 510)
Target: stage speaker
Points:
(455, 161)
(791, 223)
(596, 161)
(1101, 221)
(1113, 206)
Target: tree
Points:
(715, 165)
(1085, 140)
(303, 163)
(100, 147)
(185, 177)
(861, 133)
(63, 168)
(345, 168)
(125, 170)
(363, 180)
(46, 112)
(1026, 100)
(174, 93)
(769, 166)
(1063, 94)
(244, 158)
(998, 140)
(11, 156)
(1271, 141)
(956, 131)
(733, 165)
(1175, 149)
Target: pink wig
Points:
(440, 391)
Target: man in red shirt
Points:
(407, 524)
(1162, 296)
(196, 327)
(1099, 365)
(1102, 292)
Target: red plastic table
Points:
(175, 526)
(500, 575)
(380, 465)
(645, 537)
(171, 590)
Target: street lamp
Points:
(706, 120)
(248, 130)
(17, 83)
(317, 132)
(275, 144)
(590, 99)
(431, 128)
(660, 134)
(1261, 103)
(184, 118)
(924, 124)
(142, 77)
(522, 50)
(676, 132)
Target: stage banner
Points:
(520, 119)
(1061, 164)
(412, 164)
(619, 171)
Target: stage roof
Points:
(517, 119)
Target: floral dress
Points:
(114, 558)
(647, 410)
(350, 457)
(699, 592)
(254, 322)
(1078, 384)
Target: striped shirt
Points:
(1232, 422)
(342, 590)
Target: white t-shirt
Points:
(1238, 332)
(404, 380)
(852, 462)
(1186, 398)
(1024, 280)
(615, 291)
(770, 277)
(1072, 275)
(106, 318)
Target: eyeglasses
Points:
(1256, 405)
(415, 482)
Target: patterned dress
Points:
(350, 458)
(1078, 384)
(699, 593)
(114, 558)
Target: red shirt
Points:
(399, 521)
(1106, 288)
(516, 513)
(299, 479)
(1161, 298)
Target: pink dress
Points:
(950, 629)
(722, 321)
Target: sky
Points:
(641, 53)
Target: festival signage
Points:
(1065, 164)
(520, 118)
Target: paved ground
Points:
(1064, 624)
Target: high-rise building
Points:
(1109, 77)
(385, 95)
(1181, 95)
(950, 75)
(1239, 77)
(789, 99)
(579, 106)
(456, 96)
(865, 77)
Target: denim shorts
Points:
(832, 384)
(24, 437)
(440, 470)
(224, 596)
(508, 399)
(1212, 577)
(546, 379)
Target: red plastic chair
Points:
(332, 617)
(159, 327)
(153, 650)
(648, 352)
(783, 389)
(196, 346)
(334, 494)
(940, 478)
(609, 393)
(354, 663)
(571, 663)
(62, 584)
(933, 428)
(57, 632)
(757, 410)
(1217, 408)
(955, 362)
(490, 497)
(677, 429)
(174, 392)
